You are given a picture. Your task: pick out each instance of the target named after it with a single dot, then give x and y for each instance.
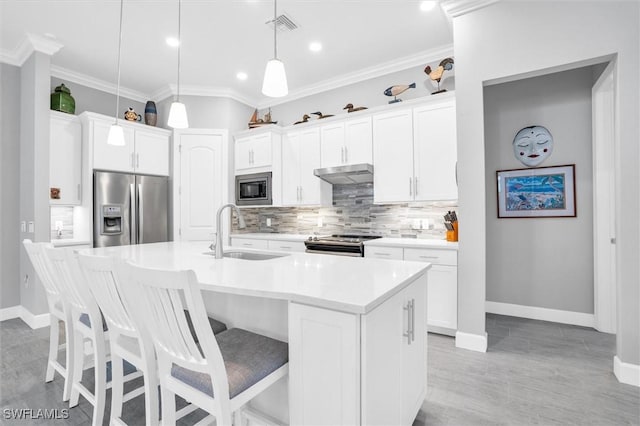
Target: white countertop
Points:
(68, 242)
(412, 243)
(272, 236)
(354, 285)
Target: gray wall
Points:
(367, 93)
(9, 185)
(34, 170)
(542, 262)
(94, 100)
(208, 112)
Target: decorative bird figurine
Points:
(305, 118)
(350, 108)
(398, 89)
(436, 75)
(320, 116)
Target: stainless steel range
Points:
(343, 245)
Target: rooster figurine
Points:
(436, 75)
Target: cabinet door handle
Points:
(428, 257)
(415, 186)
(247, 244)
(300, 194)
(342, 155)
(137, 160)
(456, 173)
(346, 154)
(285, 247)
(407, 334)
(79, 192)
(413, 320)
(133, 163)
(410, 186)
(382, 254)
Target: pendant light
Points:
(116, 134)
(274, 84)
(178, 112)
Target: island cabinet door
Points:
(324, 366)
(394, 358)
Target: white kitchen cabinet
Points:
(199, 182)
(393, 156)
(378, 360)
(253, 152)
(289, 246)
(65, 158)
(348, 142)
(300, 156)
(146, 149)
(435, 152)
(442, 296)
(415, 152)
(252, 243)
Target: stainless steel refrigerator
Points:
(129, 209)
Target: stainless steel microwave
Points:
(254, 189)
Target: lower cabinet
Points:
(442, 298)
(277, 245)
(374, 366)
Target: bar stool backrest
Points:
(102, 278)
(160, 296)
(41, 264)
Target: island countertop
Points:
(347, 284)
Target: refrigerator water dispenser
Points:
(112, 219)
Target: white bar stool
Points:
(87, 325)
(59, 311)
(219, 374)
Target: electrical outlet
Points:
(23, 226)
(415, 224)
(320, 224)
(268, 221)
(31, 227)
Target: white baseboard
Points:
(543, 314)
(625, 372)
(10, 313)
(472, 342)
(33, 321)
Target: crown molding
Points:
(385, 68)
(220, 92)
(455, 8)
(31, 43)
(98, 84)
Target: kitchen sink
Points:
(249, 255)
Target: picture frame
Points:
(537, 192)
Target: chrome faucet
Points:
(241, 224)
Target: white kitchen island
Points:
(356, 327)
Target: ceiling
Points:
(221, 38)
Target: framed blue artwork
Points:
(537, 192)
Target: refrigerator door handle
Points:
(133, 231)
(140, 215)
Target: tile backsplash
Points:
(62, 214)
(353, 211)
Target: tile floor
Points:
(534, 373)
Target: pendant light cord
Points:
(275, 29)
(119, 55)
(179, 43)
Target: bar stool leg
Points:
(54, 343)
(78, 367)
(168, 407)
(100, 372)
(117, 387)
(69, 357)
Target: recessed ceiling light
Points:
(173, 42)
(315, 46)
(242, 76)
(427, 5)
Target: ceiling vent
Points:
(283, 23)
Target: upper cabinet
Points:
(253, 152)
(65, 159)
(414, 152)
(346, 142)
(146, 149)
(300, 156)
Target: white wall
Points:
(518, 38)
(34, 170)
(9, 185)
(541, 262)
(368, 93)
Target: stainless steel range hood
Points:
(345, 175)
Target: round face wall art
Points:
(532, 145)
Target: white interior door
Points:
(604, 148)
(201, 184)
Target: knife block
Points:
(452, 236)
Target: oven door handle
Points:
(334, 253)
